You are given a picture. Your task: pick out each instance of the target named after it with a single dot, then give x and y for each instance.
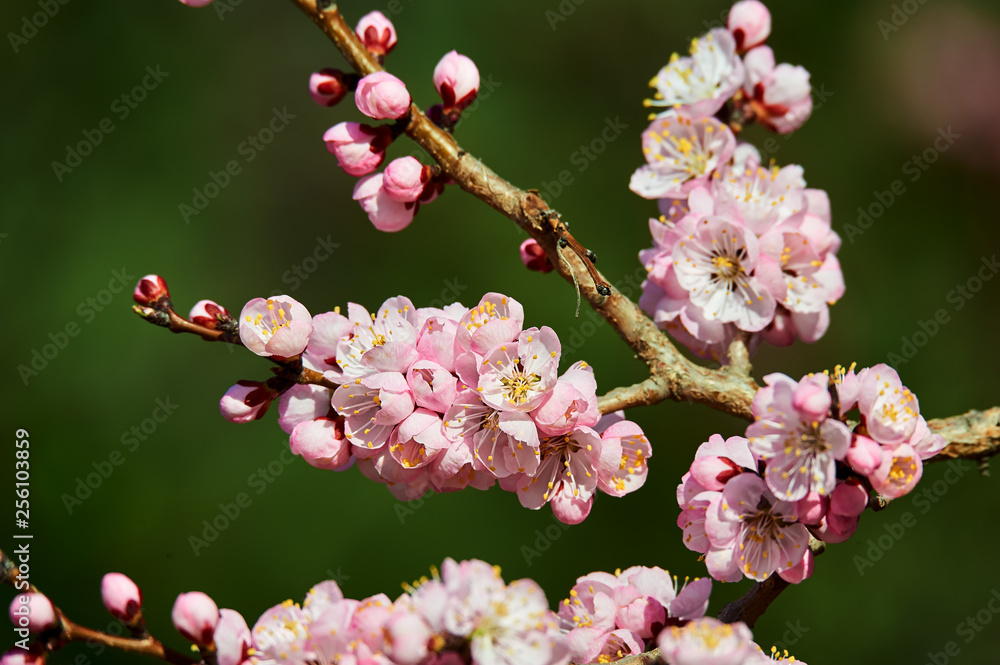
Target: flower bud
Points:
(386, 213)
(864, 455)
(811, 400)
(407, 635)
(197, 3)
(404, 179)
(195, 616)
(151, 290)
(712, 472)
(32, 611)
(21, 657)
(533, 256)
(849, 498)
(377, 33)
(781, 331)
(232, 638)
(750, 23)
(456, 79)
(277, 327)
(359, 149)
(803, 570)
(322, 443)
(382, 96)
(327, 86)
(209, 314)
(842, 525)
(246, 401)
(811, 508)
(122, 598)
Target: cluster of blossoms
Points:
(463, 614)
(750, 505)
(391, 197)
(739, 246)
(441, 399)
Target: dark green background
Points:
(119, 209)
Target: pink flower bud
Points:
(812, 508)
(864, 455)
(377, 33)
(21, 657)
(404, 179)
(750, 23)
(209, 314)
(382, 96)
(803, 570)
(197, 3)
(32, 611)
(246, 401)
(533, 256)
(195, 616)
(712, 472)
(456, 79)
(150, 290)
(407, 635)
(277, 327)
(327, 86)
(811, 400)
(359, 149)
(121, 597)
(842, 525)
(781, 331)
(321, 442)
(232, 638)
(849, 498)
(386, 213)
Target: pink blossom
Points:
(572, 402)
(232, 638)
(377, 33)
(246, 401)
(278, 327)
(717, 461)
(432, 385)
(32, 611)
(404, 179)
(327, 87)
(359, 149)
(456, 79)
(699, 85)
(591, 604)
(706, 641)
(801, 571)
(495, 320)
(407, 637)
(750, 23)
(778, 95)
(890, 410)
(209, 314)
(504, 442)
(849, 498)
(438, 339)
(605, 647)
(761, 198)
(372, 407)
(383, 341)
(150, 290)
(681, 153)
(924, 442)
(659, 599)
(382, 96)
(754, 531)
(714, 263)
(121, 597)
(302, 403)
(281, 635)
(566, 476)
(625, 452)
(899, 472)
(19, 656)
(195, 616)
(801, 445)
(533, 256)
(385, 213)
(517, 376)
(197, 3)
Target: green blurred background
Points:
(555, 83)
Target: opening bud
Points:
(377, 33)
(151, 291)
(195, 616)
(327, 86)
